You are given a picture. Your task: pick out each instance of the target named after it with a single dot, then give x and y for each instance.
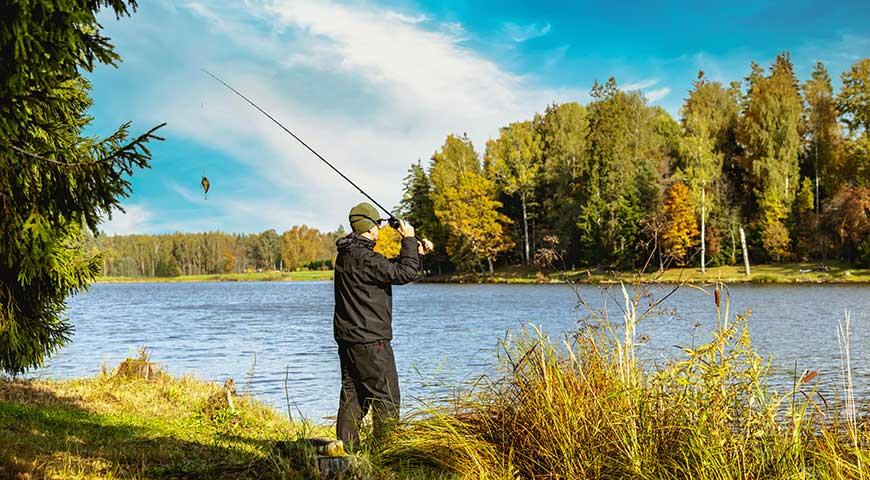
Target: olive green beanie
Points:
(362, 217)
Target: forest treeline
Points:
(615, 183)
(169, 255)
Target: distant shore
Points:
(788, 273)
(229, 277)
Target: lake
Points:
(445, 334)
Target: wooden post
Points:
(746, 272)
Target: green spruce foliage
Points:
(55, 182)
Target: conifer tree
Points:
(54, 182)
(769, 134)
(563, 130)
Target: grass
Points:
(584, 407)
(230, 277)
(774, 273)
(122, 425)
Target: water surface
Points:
(444, 334)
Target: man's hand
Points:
(425, 246)
(405, 229)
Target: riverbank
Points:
(302, 276)
(786, 273)
(583, 409)
(124, 425)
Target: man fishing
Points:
(363, 324)
(363, 320)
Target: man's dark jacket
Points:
(363, 293)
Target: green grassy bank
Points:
(780, 273)
(776, 273)
(230, 277)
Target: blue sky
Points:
(375, 86)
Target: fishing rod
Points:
(393, 221)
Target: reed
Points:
(586, 407)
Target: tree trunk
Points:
(525, 230)
(703, 229)
(745, 252)
(491, 271)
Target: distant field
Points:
(782, 273)
(230, 277)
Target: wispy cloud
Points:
(521, 33)
(639, 85)
(134, 219)
(412, 19)
(657, 94)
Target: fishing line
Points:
(394, 222)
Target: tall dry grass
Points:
(585, 407)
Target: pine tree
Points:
(54, 182)
(628, 146)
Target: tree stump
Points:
(334, 468)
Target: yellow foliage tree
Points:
(681, 227)
(389, 242)
(470, 211)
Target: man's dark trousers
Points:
(368, 380)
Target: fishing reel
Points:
(394, 222)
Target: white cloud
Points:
(135, 219)
(521, 33)
(657, 94)
(419, 81)
(640, 85)
(413, 19)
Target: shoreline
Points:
(790, 274)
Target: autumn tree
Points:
(513, 161)
(301, 245)
(680, 232)
(55, 181)
(456, 157)
(847, 219)
(477, 228)
(389, 242)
